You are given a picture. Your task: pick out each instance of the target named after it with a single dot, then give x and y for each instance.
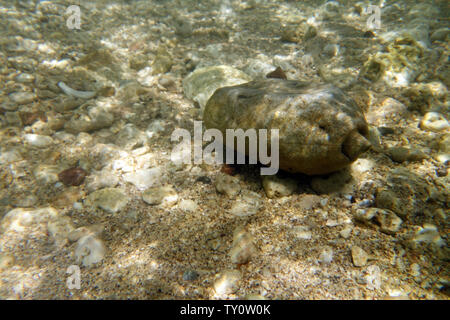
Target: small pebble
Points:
(227, 185)
(246, 205)
(302, 232)
(415, 270)
(144, 178)
(38, 141)
(111, 200)
(359, 256)
(277, 187)
(243, 247)
(278, 73)
(188, 205)
(402, 154)
(326, 255)
(6, 261)
(89, 250)
(22, 97)
(434, 121)
(428, 234)
(309, 201)
(190, 275)
(227, 282)
(165, 195)
(78, 206)
(389, 222)
(204, 179)
(442, 171)
(72, 176)
(346, 232)
(332, 223)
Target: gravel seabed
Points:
(135, 55)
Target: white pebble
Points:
(144, 178)
(78, 206)
(22, 97)
(227, 282)
(434, 121)
(188, 205)
(38, 141)
(75, 93)
(326, 256)
(302, 232)
(89, 251)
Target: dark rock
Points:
(190, 275)
(368, 34)
(384, 131)
(73, 176)
(204, 179)
(441, 171)
(278, 73)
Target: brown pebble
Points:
(73, 176)
(231, 171)
(441, 171)
(278, 73)
(107, 91)
(368, 34)
(28, 118)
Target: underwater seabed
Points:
(92, 205)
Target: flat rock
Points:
(308, 201)
(227, 185)
(428, 234)
(402, 154)
(101, 179)
(321, 129)
(144, 178)
(22, 97)
(389, 111)
(346, 232)
(188, 205)
(111, 200)
(165, 195)
(440, 34)
(20, 219)
(97, 118)
(389, 222)
(46, 174)
(246, 205)
(276, 187)
(302, 232)
(359, 256)
(406, 194)
(10, 156)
